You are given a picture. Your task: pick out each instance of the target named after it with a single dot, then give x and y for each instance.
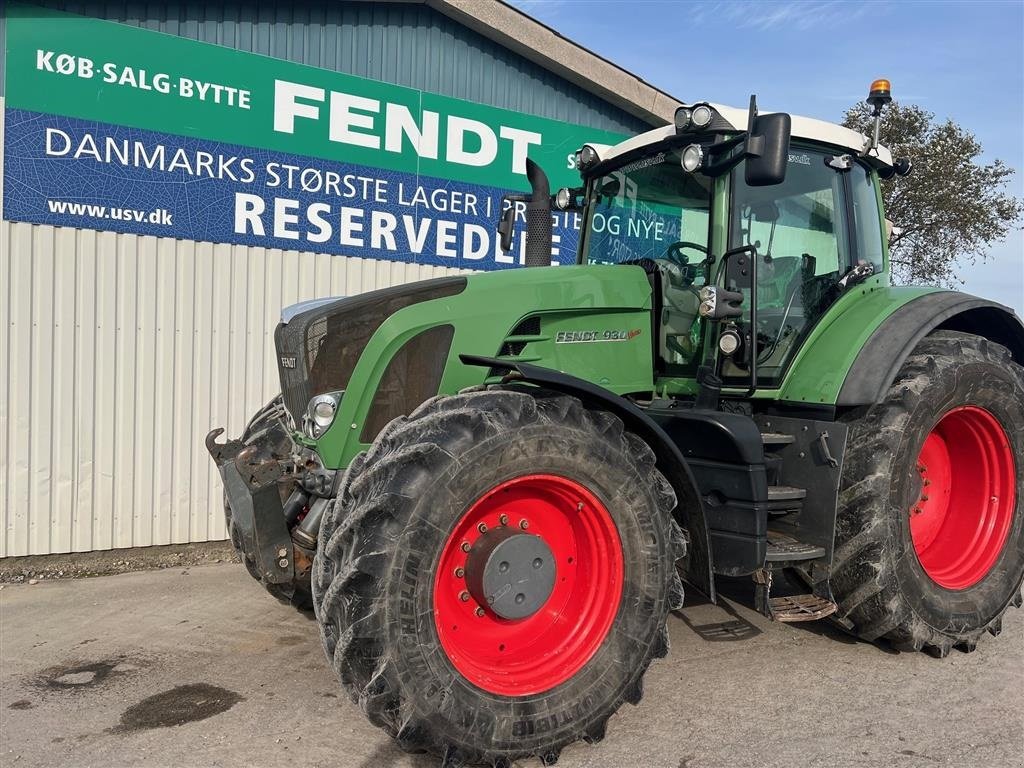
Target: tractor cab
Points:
(749, 238)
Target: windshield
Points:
(642, 209)
(652, 209)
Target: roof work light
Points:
(698, 117)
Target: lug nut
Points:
(480, 611)
(282, 552)
(460, 572)
(482, 527)
(464, 596)
(503, 519)
(283, 562)
(465, 546)
(579, 506)
(523, 524)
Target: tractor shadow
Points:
(389, 753)
(726, 622)
(721, 622)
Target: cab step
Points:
(794, 608)
(786, 549)
(789, 608)
(786, 493)
(776, 439)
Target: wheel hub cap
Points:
(511, 573)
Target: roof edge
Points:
(539, 43)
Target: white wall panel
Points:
(118, 353)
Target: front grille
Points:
(530, 326)
(318, 350)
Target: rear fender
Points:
(882, 356)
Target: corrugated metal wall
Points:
(118, 353)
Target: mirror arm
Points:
(749, 146)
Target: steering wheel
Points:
(674, 255)
(674, 251)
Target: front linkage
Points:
(275, 492)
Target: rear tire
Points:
(267, 430)
(930, 529)
(416, 654)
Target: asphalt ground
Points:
(196, 666)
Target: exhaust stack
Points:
(538, 217)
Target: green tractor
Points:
(491, 487)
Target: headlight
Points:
(564, 198)
(693, 158)
(320, 413)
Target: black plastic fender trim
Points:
(881, 358)
(670, 460)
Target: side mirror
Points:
(767, 150)
(505, 226)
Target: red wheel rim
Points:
(962, 516)
(535, 654)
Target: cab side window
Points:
(867, 219)
(799, 230)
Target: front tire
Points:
(930, 529)
(443, 667)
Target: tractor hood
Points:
(293, 310)
(319, 342)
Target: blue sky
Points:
(963, 60)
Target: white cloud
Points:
(792, 14)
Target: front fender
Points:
(669, 459)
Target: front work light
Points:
(564, 199)
(683, 119)
(701, 116)
(697, 117)
(693, 158)
(729, 341)
(588, 158)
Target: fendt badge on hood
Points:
(584, 337)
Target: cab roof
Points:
(736, 119)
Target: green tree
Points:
(952, 207)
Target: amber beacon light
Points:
(880, 93)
